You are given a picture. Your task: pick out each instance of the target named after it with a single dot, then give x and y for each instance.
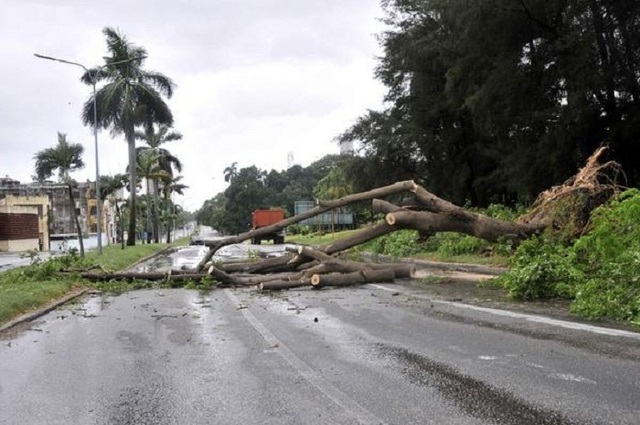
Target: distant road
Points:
(371, 355)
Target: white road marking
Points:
(530, 317)
(351, 407)
(574, 378)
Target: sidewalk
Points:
(10, 260)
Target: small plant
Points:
(33, 255)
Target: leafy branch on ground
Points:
(599, 271)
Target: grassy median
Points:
(27, 288)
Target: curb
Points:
(457, 267)
(27, 317)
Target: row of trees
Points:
(154, 164)
(251, 188)
(494, 101)
(487, 102)
(131, 102)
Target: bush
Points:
(453, 244)
(541, 269)
(402, 243)
(610, 255)
(614, 292)
(600, 271)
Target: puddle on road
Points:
(476, 398)
(188, 257)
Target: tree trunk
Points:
(148, 224)
(279, 285)
(74, 216)
(355, 278)
(131, 144)
(156, 218)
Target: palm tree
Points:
(148, 168)
(166, 161)
(109, 186)
(231, 172)
(171, 185)
(66, 158)
(131, 97)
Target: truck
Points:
(267, 217)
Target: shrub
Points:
(610, 255)
(453, 244)
(600, 271)
(541, 269)
(398, 244)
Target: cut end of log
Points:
(210, 269)
(390, 219)
(315, 280)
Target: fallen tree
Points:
(565, 207)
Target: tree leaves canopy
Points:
(494, 101)
(65, 157)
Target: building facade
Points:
(41, 211)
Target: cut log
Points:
(401, 270)
(225, 278)
(279, 285)
(355, 278)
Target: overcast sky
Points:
(257, 80)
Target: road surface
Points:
(376, 354)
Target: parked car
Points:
(196, 240)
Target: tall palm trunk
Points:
(75, 219)
(156, 212)
(148, 225)
(131, 142)
(120, 227)
(170, 221)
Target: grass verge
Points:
(27, 288)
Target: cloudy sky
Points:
(257, 81)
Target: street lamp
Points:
(95, 130)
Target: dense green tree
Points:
(498, 100)
(246, 193)
(212, 213)
(252, 188)
(65, 158)
(131, 97)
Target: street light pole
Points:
(95, 132)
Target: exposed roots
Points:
(565, 209)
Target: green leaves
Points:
(600, 271)
(495, 101)
(65, 157)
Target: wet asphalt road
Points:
(374, 354)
